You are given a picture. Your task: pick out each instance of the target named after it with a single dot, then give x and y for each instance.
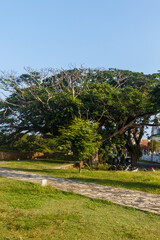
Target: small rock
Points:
(43, 182)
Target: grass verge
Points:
(28, 211)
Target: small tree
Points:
(81, 138)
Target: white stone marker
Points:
(43, 182)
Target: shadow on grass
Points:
(60, 161)
(64, 160)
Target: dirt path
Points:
(136, 199)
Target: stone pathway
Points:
(136, 199)
(64, 166)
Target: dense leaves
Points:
(81, 138)
(120, 101)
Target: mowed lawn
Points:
(141, 181)
(29, 211)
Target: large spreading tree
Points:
(122, 102)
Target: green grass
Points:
(29, 211)
(62, 159)
(38, 164)
(142, 181)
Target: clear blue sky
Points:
(97, 33)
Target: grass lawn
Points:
(142, 181)
(29, 211)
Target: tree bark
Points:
(122, 162)
(94, 159)
(134, 137)
(134, 159)
(80, 166)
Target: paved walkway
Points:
(64, 166)
(140, 200)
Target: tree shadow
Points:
(60, 161)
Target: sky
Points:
(121, 34)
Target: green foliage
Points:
(81, 138)
(29, 143)
(112, 149)
(119, 100)
(34, 143)
(112, 97)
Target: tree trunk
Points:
(133, 144)
(122, 161)
(134, 158)
(94, 159)
(80, 166)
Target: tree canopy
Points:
(43, 102)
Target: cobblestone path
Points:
(136, 199)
